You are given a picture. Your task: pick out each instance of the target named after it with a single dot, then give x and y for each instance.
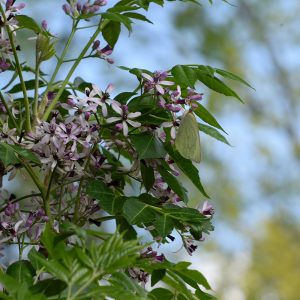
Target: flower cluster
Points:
(83, 8)
(15, 221)
(103, 53)
(8, 19)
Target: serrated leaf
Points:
(174, 184)
(137, 212)
(7, 156)
(161, 293)
(208, 70)
(207, 117)
(28, 23)
(164, 225)
(22, 271)
(147, 173)
(217, 85)
(30, 85)
(188, 168)
(193, 276)
(106, 197)
(137, 16)
(124, 97)
(49, 287)
(126, 229)
(184, 75)
(157, 275)
(24, 153)
(185, 214)
(211, 131)
(111, 32)
(232, 76)
(148, 146)
(118, 18)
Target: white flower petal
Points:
(160, 89)
(166, 82)
(109, 88)
(125, 128)
(134, 115)
(116, 107)
(167, 124)
(113, 119)
(133, 123)
(104, 109)
(173, 133)
(147, 76)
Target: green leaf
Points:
(192, 277)
(137, 212)
(22, 271)
(187, 167)
(137, 16)
(174, 184)
(124, 97)
(149, 199)
(49, 287)
(118, 18)
(24, 153)
(29, 23)
(121, 280)
(126, 229)
(157, 275)
(17, 290)
(204, 296)
(232, 76)
(7, 156)
(208, 70)
(217, 85)
(184, 214)
(147, 175)
(164, 225)
(207, 117)
(106, 197)
(213, 133)
(53, 267)
(111, 32)
(184, 75)
(160, 293)
(148, 146)
(30, 85)
(32, 254)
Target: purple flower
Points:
(104, 97)
(11, 209)
(44, 24)
(189, 245)
(173, 125)
(207, 209)
(156, 82)
(125, 117)
(4, 65)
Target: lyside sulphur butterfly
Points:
(187, 140)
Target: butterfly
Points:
(187, 140)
